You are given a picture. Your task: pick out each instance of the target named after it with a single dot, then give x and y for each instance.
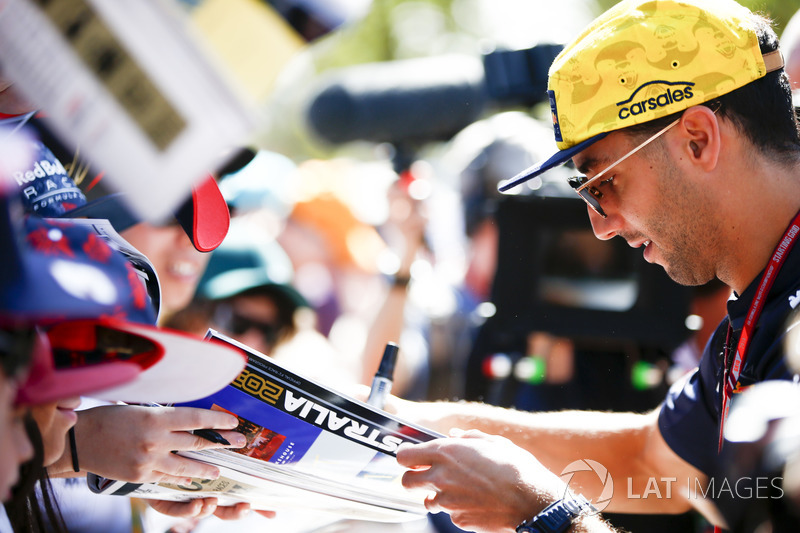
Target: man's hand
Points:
(135, 444)
(484, 482)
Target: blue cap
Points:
(54, 270)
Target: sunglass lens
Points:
(592, 201)
(240, 324)
(586, 194)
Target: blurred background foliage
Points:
(780, 11)
(280, 68)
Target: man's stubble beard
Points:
(685, 234)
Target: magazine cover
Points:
(308, 447)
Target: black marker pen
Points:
(208, 434)
(382, 382)
(211, 435)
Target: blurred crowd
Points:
(315, 256)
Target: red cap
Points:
(117, 360)
(205, 216)
(46, 383)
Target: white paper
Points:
(131, 87)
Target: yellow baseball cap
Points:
(645, 59)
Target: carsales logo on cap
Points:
(654, 97)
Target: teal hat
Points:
(239, 265)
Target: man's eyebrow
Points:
(597, 162)
(587, 164)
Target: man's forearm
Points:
(556, 438)
(628, 445)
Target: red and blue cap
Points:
(48, 190)
(115, 360)
(90, 322)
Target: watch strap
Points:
(558, 516)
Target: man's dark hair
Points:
(762, 110)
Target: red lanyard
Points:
(731, 375)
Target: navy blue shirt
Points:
(689, 418)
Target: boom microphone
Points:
(417, 100)
(411, 100)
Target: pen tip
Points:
(386, 367)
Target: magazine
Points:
(308, 447)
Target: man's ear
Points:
(700, 135)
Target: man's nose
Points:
(604, 228)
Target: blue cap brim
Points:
(557, 159)
(111, 207)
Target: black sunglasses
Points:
(590, 194)
(238, 324)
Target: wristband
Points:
(73, 449)
(401, 282)
(558, 516)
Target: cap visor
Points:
(46, 384)
(111, 207)
(559, 158)
(191, 369)
(205, 216)
(72, 382)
